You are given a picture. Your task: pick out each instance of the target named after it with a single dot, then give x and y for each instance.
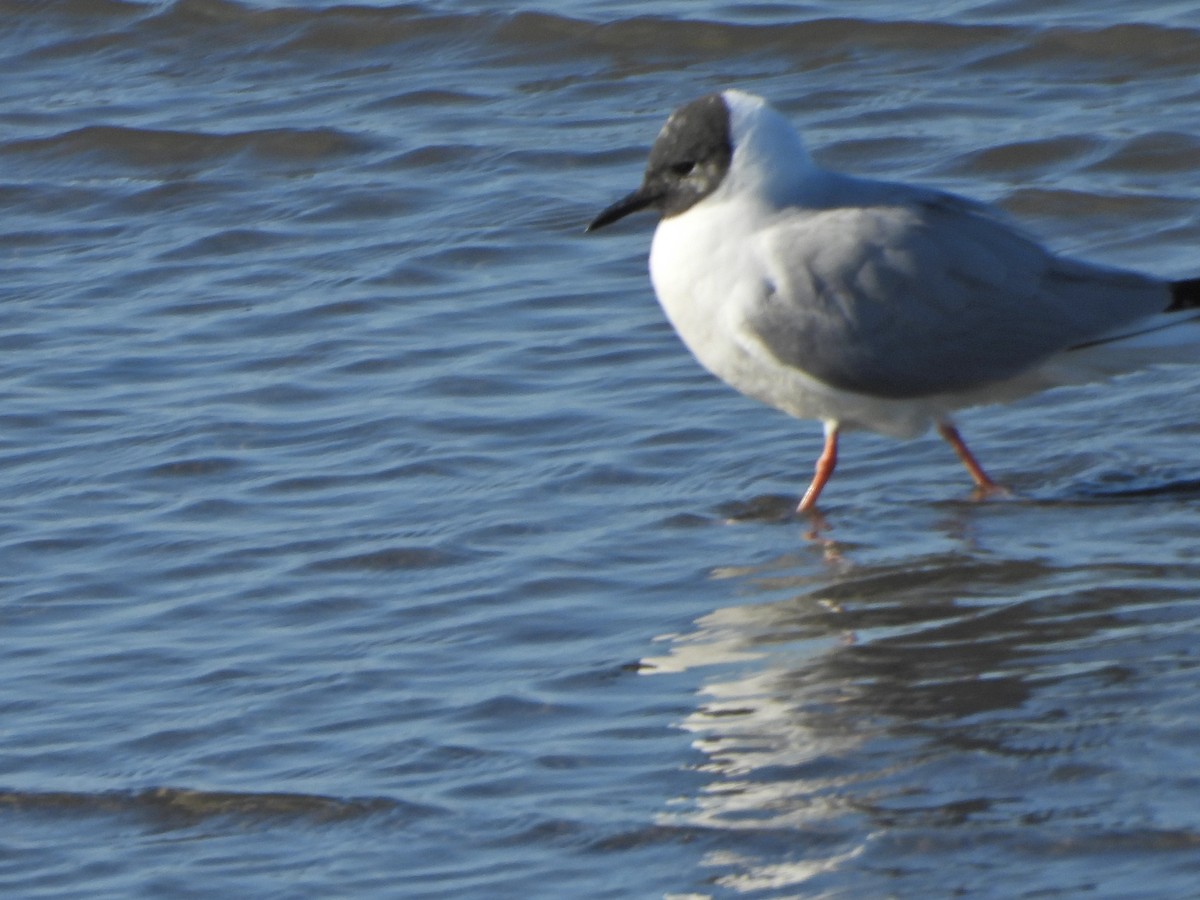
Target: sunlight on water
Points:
(352, 494)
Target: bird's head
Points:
(731, 140)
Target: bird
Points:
(871, 304)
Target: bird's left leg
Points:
(983, 482)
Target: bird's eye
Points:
(685, 167)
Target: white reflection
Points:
(806, 721)
(766, 733)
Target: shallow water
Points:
(366, 531)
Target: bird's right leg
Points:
(826, 463)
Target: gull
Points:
(870, 304)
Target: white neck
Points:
(769, 158)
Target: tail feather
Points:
(1184, 295)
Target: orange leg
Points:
(825, 466)
(983, 481)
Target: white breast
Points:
(707, 272)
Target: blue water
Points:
(366, 532)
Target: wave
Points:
(217, 26)
(159, 147)
(175, 804)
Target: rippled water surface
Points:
(365, 531)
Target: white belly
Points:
(705, 282)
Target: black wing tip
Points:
(1184, 295)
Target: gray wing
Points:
(928, 294)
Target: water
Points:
(367, 533)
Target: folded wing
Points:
(917, 293)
